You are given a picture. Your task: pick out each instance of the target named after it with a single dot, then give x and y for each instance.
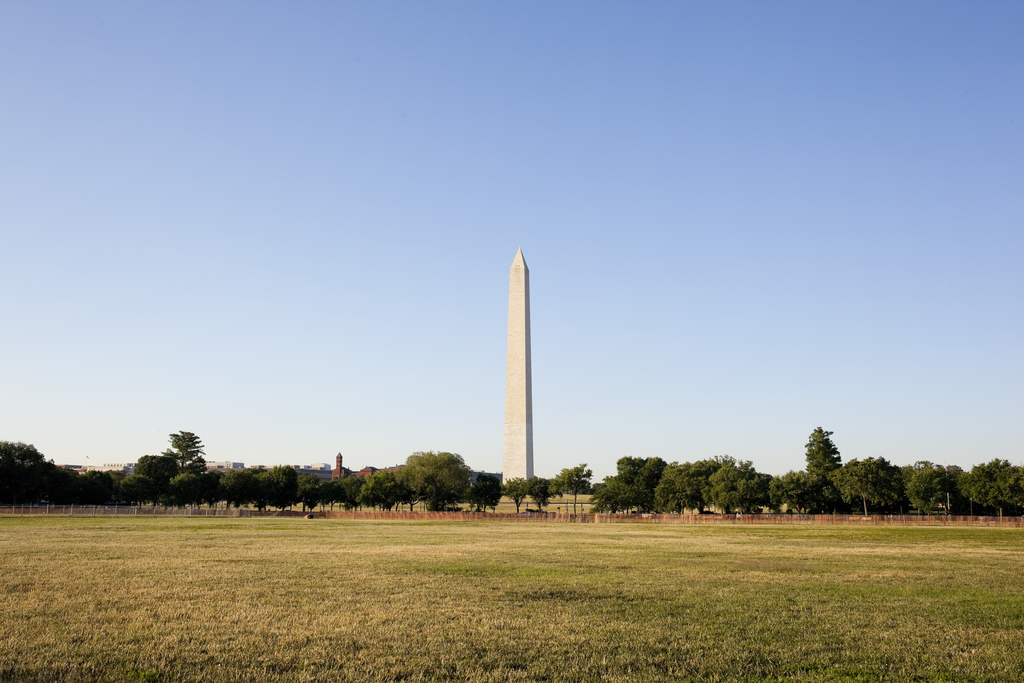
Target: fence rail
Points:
(604, 518)
(138, 511)
(565, 517)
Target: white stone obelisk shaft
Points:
(518, 461)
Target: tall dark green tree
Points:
(822, 459)
(187, 450)
(822, 454)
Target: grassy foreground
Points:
(321, 600)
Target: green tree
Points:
(956, 502)
(186, 489)
(61, 486)
(238, 487)
(137, 489)
(309, 491)
(682, 486)
(352, 486)
(798, 491)
(283, 482)
(574, 480)
(94, 488)
(160, 469)
(187, 450)
(873, 480)
(331, 493)
(484, 493)
(23, 471)
(822, 459)
(262, 489)
(822, 454)
(633, 486)
(381, 489)
(539, 491)
(738, 486)
(517, 489)
(989, 484)
(612, 495)
(211, 492)
(441, 479)
(408, 493)
(1015, 487)
(926, 485)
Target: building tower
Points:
(518, 460)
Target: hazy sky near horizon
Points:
(287, 227)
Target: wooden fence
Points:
(139, 511)
(562, 518)
(593, 518)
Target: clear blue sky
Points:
(287, 227)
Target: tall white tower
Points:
(518, 461)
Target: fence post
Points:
(72, 510)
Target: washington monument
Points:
(518, 376)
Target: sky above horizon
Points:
(288, 228)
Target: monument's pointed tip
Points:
(519, 260)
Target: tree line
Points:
(442, 481)
(826, 485)
(178, 476)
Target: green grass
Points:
(320, 600)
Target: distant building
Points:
(339, 470)
(225, 466)
(322, 470)
(476, 473)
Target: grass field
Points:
(321, 600)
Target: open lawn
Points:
(323, 600)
